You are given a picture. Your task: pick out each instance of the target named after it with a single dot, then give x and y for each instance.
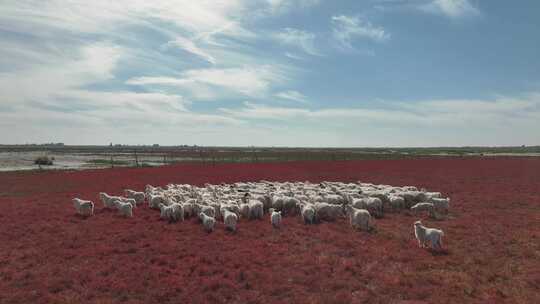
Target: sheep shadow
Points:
(83, 217)
(438, 252)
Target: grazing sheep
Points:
(289, 205)
(125, 209)
(275, 218)
(423, 207)
(431, 235)
(308, 213)
(229, 219)
(327, 212)
(256, 209)
(84, 208)
(441, 204)
(207, 221)
(137, 196)
(359, 218)
(397, 202)
(375, 206)
(278, 201)
(244, 210)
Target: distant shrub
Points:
(44, 161)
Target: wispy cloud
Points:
(298, 38)
(292, 95)
(451, 8)
(347, 28)
(284, 6)
(190, 47)
(253, 81)
(430, 113)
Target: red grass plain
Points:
(49, 255)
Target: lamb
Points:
(84, 208)
(308, 213)
(256, 209)
(207, 221)
(359, 218)
(108, 200)
(137, 196)
(229, 219)
(125, 209)
(275, 218)
(431, 235)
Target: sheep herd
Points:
(360, 202)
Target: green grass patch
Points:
(105, 162)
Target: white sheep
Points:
(84, 208)
(275, 218)
(396, 202)
(130, 201)
(244, 210)
(208, 210)
(375, 206)
(289, 205)
(441, 204)
(125, 209)
(308, 213)
(359, 218)
(256, 209)
(172, 213)
(327, 212)
(155, 199)
(207, 221)
(108, 200)
(423, 207)
(229, 219)
(139, 197)
(431, 235)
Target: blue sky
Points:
(271, 72)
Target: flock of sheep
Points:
(326, 201)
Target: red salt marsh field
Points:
(49, 255)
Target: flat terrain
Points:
(49, 255)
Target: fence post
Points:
(112, 161)
(136, 159)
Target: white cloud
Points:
(190, 47)
(298, 38)
(451, 8)
(284, 6)
(472, 115)
(346, 28)
(292, 95)
(253, 81)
